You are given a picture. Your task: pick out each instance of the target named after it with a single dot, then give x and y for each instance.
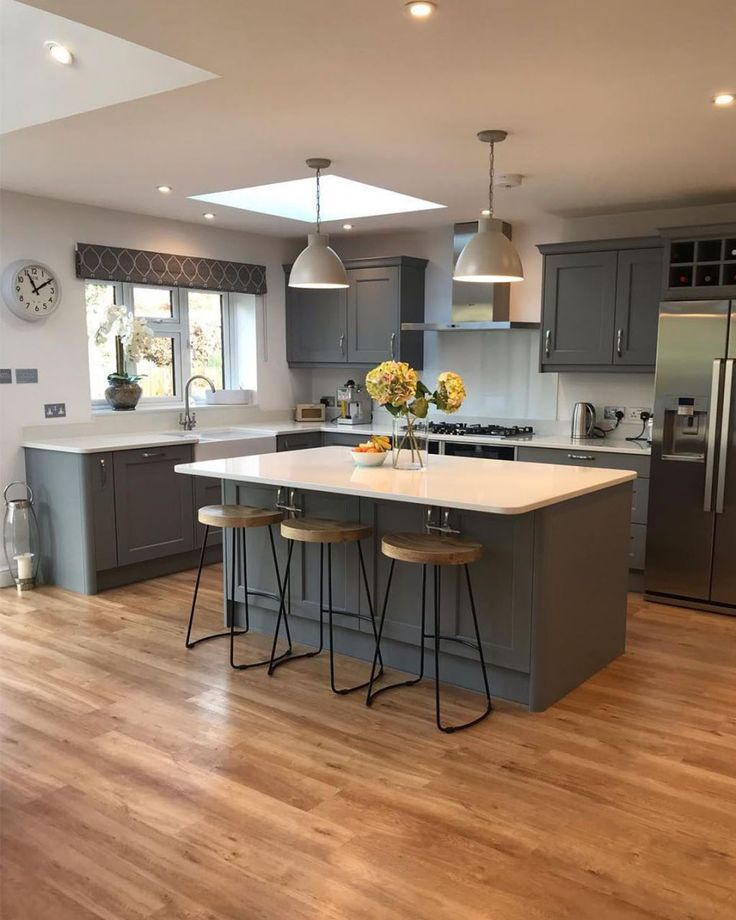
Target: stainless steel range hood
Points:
(475, 307)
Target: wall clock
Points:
(31, 289)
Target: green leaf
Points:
(419, 407)
(394, 410)
(422, 390)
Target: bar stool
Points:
(326, 533)
(242, 518)
(435, 550)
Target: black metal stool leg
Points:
(188, 641)
(278, 584)
(489, 706)
(282, 659)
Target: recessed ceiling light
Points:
(208, 215)
(164, 189)
(724, 99)
(59, 53)
(420, 9)
(485, 212)
(347, 226)
(341, 199)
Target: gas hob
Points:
(490, 430)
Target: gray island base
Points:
(550, 589)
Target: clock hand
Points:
(35, 289)
(43, 285)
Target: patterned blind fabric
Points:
(112, 263)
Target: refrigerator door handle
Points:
(725, 436)
(710, 450)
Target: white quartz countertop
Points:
(490, 486)
(93, 443)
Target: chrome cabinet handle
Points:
(620, 343)
(391, 345)
(288, 503)
(581, 457)
(444, 527)
(148, 456)
(725, 435)
(103, 472)
(547, 342)
(710, 449)
(341, 344)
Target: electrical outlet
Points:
(635, 413)
(609, 412)
(54, 410)
(328, 401)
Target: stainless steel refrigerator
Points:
(691, 534)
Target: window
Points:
(195, 332)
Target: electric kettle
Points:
(583, 421)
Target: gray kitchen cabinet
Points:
(600, 305)
(101, 482)
(316, 325)
(117, 517)
(361, 325)
(300, 440)
(154, 505)
(638, 292)
(586, 456)
(343, 439)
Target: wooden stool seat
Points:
(238, 516)
(319, 530)
(430, 549)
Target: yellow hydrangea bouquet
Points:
(396, 386)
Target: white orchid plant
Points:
(133, 341)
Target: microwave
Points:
(309, 412)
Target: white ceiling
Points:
(607, 104)
(35, 89)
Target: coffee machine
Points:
(354, 403)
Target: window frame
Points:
(176, 327)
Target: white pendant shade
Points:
(318, 266)
(489, 256)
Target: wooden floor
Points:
(141, 780)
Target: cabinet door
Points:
(206, 492)
(578, 308)
(638, 292)
(154, 506)
(373, 315)
(301, 440)
(102, 489)
(316, 325)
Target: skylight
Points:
(340, 199)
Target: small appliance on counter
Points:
(356, 406)
(309, 412)
(583, 421)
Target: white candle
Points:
(25, 565)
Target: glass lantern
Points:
(20, 537)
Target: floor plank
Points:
(142, 781)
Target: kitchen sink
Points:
(222, 443)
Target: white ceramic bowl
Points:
(360, 459)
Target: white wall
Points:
(37, 228)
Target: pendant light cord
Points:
(318, 205)
(491, 171)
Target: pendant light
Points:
(489, 256)
(318, 266)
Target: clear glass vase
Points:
(409, 443)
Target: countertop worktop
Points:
(490, 486)
(94, 443)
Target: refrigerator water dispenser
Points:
(685, 428)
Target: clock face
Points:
(31, 290)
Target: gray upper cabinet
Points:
(316, 325)
(600, 305)
(362, 324)
(154, 505)
(638, 291)
(373, 315)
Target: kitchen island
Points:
(550, 589)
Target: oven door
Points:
(471, 449)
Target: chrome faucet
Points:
(188, 419)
